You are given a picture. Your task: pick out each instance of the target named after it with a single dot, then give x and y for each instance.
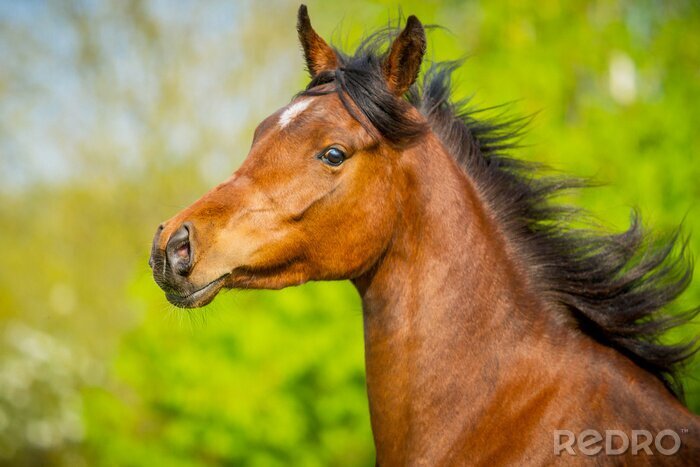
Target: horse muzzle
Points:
(172, 264)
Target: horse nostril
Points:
(183, 252)
(179, 250)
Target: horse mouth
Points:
(199, 297)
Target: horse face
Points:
(316, 198)
(312, 201)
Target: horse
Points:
(496, 331)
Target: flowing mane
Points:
(614, 287)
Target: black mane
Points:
(615, 286)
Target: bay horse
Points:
(492, 324)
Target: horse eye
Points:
(333, 156)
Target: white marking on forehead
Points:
(293, 112)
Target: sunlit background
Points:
(114, 115)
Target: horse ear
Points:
(318, 54)
(403, 62)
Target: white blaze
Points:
(293, 111)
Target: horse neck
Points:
(460, 348)
(446, 305)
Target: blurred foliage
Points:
(116, 114)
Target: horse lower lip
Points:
(197, 298)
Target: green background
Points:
(114, 115)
